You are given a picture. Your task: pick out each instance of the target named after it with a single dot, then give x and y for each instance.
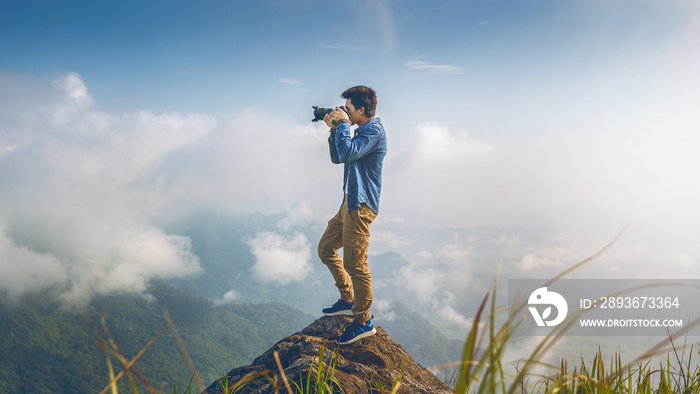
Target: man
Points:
(362, 155)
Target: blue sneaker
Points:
(339, 308)
(356, 331)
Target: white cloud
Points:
(280, 259)
(509, 242)
(425, 254)
(75, 100)
(299, 215)
(442, 172)
(423, 282)
(434, 68)
(20, 266)
(228, 298)
(436, 143)
(384, 309)
(531, 261)
(390, 239)
(685, 260)
(457, 252)
(77, 184)
(252, 161)
(445, 307)
(73, 213)
(434, 280)
(450, 314)
(289, 81)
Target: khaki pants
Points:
(350, 231)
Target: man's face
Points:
(353, 112)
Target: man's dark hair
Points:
(362, 97)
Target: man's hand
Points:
(329, 120)
(340, 115)
(336, 116)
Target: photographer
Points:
(362, 155)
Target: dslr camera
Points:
(320, 113)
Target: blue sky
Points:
(216, 56)
(580, 115)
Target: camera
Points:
(320, 113)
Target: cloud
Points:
(509, 242)
(434, 68)
(85, 194)
(423, 282)
(445, 307)
(280, 259)
(73, 214)
(251, 161)
(384, 308)
(425, 254)
(446, 165)
(302, 214)
(549, 257)
(289, 81)
(457, 252)
(20, 265)
(434, 277)
(228, 298)
(390, 239)
(75, 100)
(450, 314)
(436, 143)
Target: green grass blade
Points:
(464, 379)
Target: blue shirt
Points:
(363, 156)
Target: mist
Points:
(86, 194)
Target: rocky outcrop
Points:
(370, 365)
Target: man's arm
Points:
(351, 150)
(332, 148)
(331, 140)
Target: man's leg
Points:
(328, 246)
(355, 250)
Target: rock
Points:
(371, 364)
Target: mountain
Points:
(59, 352)
(371, 364)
